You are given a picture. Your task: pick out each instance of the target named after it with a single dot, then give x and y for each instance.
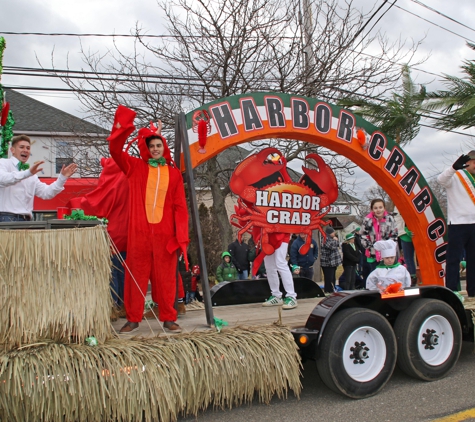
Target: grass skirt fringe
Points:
(148, 379)
(54, 284)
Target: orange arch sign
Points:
(249, 117)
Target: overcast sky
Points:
(444, 51)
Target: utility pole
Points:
(306, 25)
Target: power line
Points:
(172, 36)
(433, 23)
(70, 34)
(98, 76)
(186, 81)
(442, 14)
(142, 78)
(368, 21)
(87, 72)
(83, 72)
(386, 11)
(98, 79)
(80, 90)
(26, 88)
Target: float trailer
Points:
(357, 337)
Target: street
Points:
(402, 399)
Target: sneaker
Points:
(273, 301)
(171, 327)
(289, 303)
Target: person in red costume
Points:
(158, 220)
(110, 200)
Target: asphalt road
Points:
(402, 399)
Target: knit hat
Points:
(357, 229)
(329, 230)
(225, 253)
(349, 236)
(295, 267)
(386, 247)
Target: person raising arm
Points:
(19, 183)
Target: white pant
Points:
(277, 262)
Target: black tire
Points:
(433, 321)
(372, 337)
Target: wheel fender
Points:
(446, 295)
(324, 310)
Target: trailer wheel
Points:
(429, 339)
(357, 353)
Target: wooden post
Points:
(181, 142)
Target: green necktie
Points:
(154, 162)
(23, 166)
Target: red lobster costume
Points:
(158, 220)
(109, 200)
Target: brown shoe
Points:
(181, 308)
(151, 314)
(129, 327)
(171, 327)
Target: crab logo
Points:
(270, 202)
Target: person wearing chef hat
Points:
(389, 271)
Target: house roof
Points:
(34, 116)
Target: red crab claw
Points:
(257, 168)
(303, 250)
(322, 181)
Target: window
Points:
(64, 155)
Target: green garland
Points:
(3, 44)
(6, 132)
(79, 215)
(6, 135)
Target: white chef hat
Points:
(386, 247)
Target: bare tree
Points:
(439, 193)
(219, 48)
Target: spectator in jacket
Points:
(226, 271)
(459, 182)
(304, 262)
(239, 257)
(351, 257)
(377, 225)
(251, 256)
(330, 259)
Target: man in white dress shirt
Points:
(19, 183)
(459, 182)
